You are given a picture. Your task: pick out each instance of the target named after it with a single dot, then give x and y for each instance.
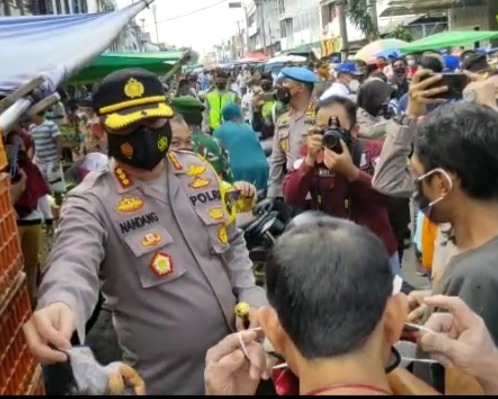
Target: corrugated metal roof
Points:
(405, 7)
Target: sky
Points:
(200, 30)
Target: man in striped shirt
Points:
(48, 144)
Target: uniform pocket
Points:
(215, 219)
(155, 262)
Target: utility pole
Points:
(260, 11)
(6, 7)
(240, 51)
(154, 13)
(20, 6)
(343, 28)
(271, 40)
(375, 20)
(246, 17)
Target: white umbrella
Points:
(370, 51)
(286, 59)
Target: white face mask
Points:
(354, 85)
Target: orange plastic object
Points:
(10, 248)
(3, 155)
(17, 364)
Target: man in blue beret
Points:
(291, 128)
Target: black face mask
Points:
(385, 111)
(266, 86)
(283, 95)
(221, 86)
(400, 71)
(419, 198)
(142, 149)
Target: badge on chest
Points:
(151, 240)
(161, 264)
(129, 205)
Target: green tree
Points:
(401, 32)
(359, 13)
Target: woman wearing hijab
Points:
(373, 108)
(247, 158)
(374, 99)
(32, 206)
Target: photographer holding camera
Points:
(336, 168)
(263, 106)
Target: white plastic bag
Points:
(56, 179)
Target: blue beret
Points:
(299, 74)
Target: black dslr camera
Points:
(333, 135)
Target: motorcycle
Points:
(260, 234)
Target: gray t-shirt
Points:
(472, 276)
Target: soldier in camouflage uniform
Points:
(208, 147)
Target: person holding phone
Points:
(454, 173)
(263, 106)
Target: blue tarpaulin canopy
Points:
(55, 47)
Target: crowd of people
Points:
(365, 160)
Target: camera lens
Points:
(332, 141)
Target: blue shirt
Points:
(247, 158)
(204, 82)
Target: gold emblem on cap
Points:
(134, 88)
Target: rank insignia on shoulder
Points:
(161, 264)
(129, 204)
(199, 183)
(195, 170)
(123, 179)
(216, 213)
(151, 240)
(223, 235)
(174, 160)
